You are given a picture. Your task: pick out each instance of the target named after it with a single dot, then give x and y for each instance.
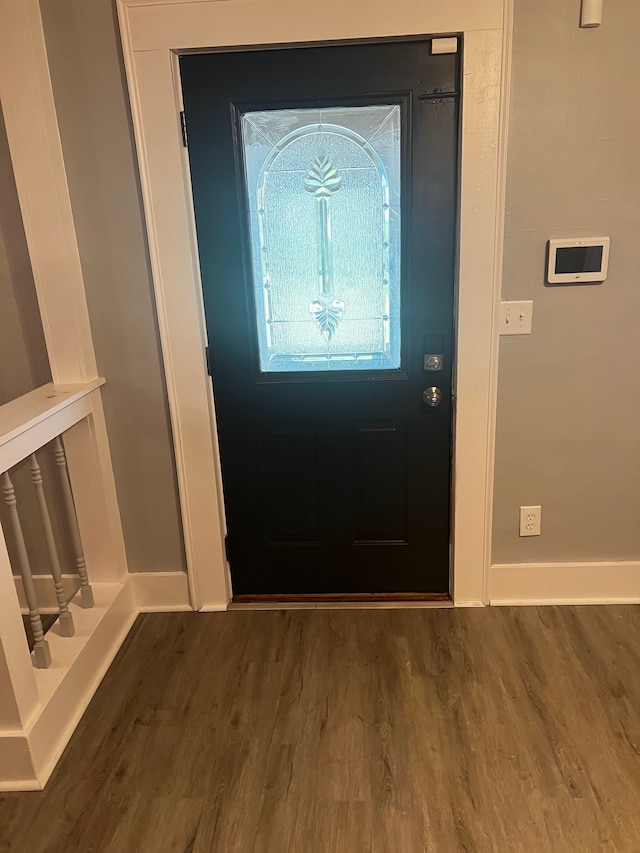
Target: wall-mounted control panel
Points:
(578, 261)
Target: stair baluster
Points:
(65, 619)
(41, 652)
(86, 593)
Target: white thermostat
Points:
(578, 261)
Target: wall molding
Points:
(565, 583)
(161, 592)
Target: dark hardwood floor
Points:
(332, 731)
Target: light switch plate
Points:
(516, 318)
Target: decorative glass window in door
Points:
(324, 203)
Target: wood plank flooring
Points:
(340, 731)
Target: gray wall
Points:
(90, 93)
(23, 356)
(568, 403)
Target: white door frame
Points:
(154, 33)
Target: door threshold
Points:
(373, 601)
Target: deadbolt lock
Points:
(433, 361)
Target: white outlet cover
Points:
(530, 517)
(516, 318)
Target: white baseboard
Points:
(214, 607)
(45, 592)
(17, 772)
(161, 592)
(565, 583)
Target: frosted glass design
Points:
(324, 203)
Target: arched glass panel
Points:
(323, 187)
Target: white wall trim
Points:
(215, 606)
(152, 34)
(565, 583)
(180, 318)
(501, 212)
(479, 285)
(161, 592)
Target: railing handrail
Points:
(32, 420)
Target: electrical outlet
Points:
(530, 520)
(516, 318)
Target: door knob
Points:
(432, 396)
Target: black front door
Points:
(324, 184)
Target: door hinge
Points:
(226, 549)
(183, 128)
(207, 359)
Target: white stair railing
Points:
(41, 432)
(45, 688)
(65, 627)
(41, 654)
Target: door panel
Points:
(324, 185)
(380, 475)
(289, 498)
